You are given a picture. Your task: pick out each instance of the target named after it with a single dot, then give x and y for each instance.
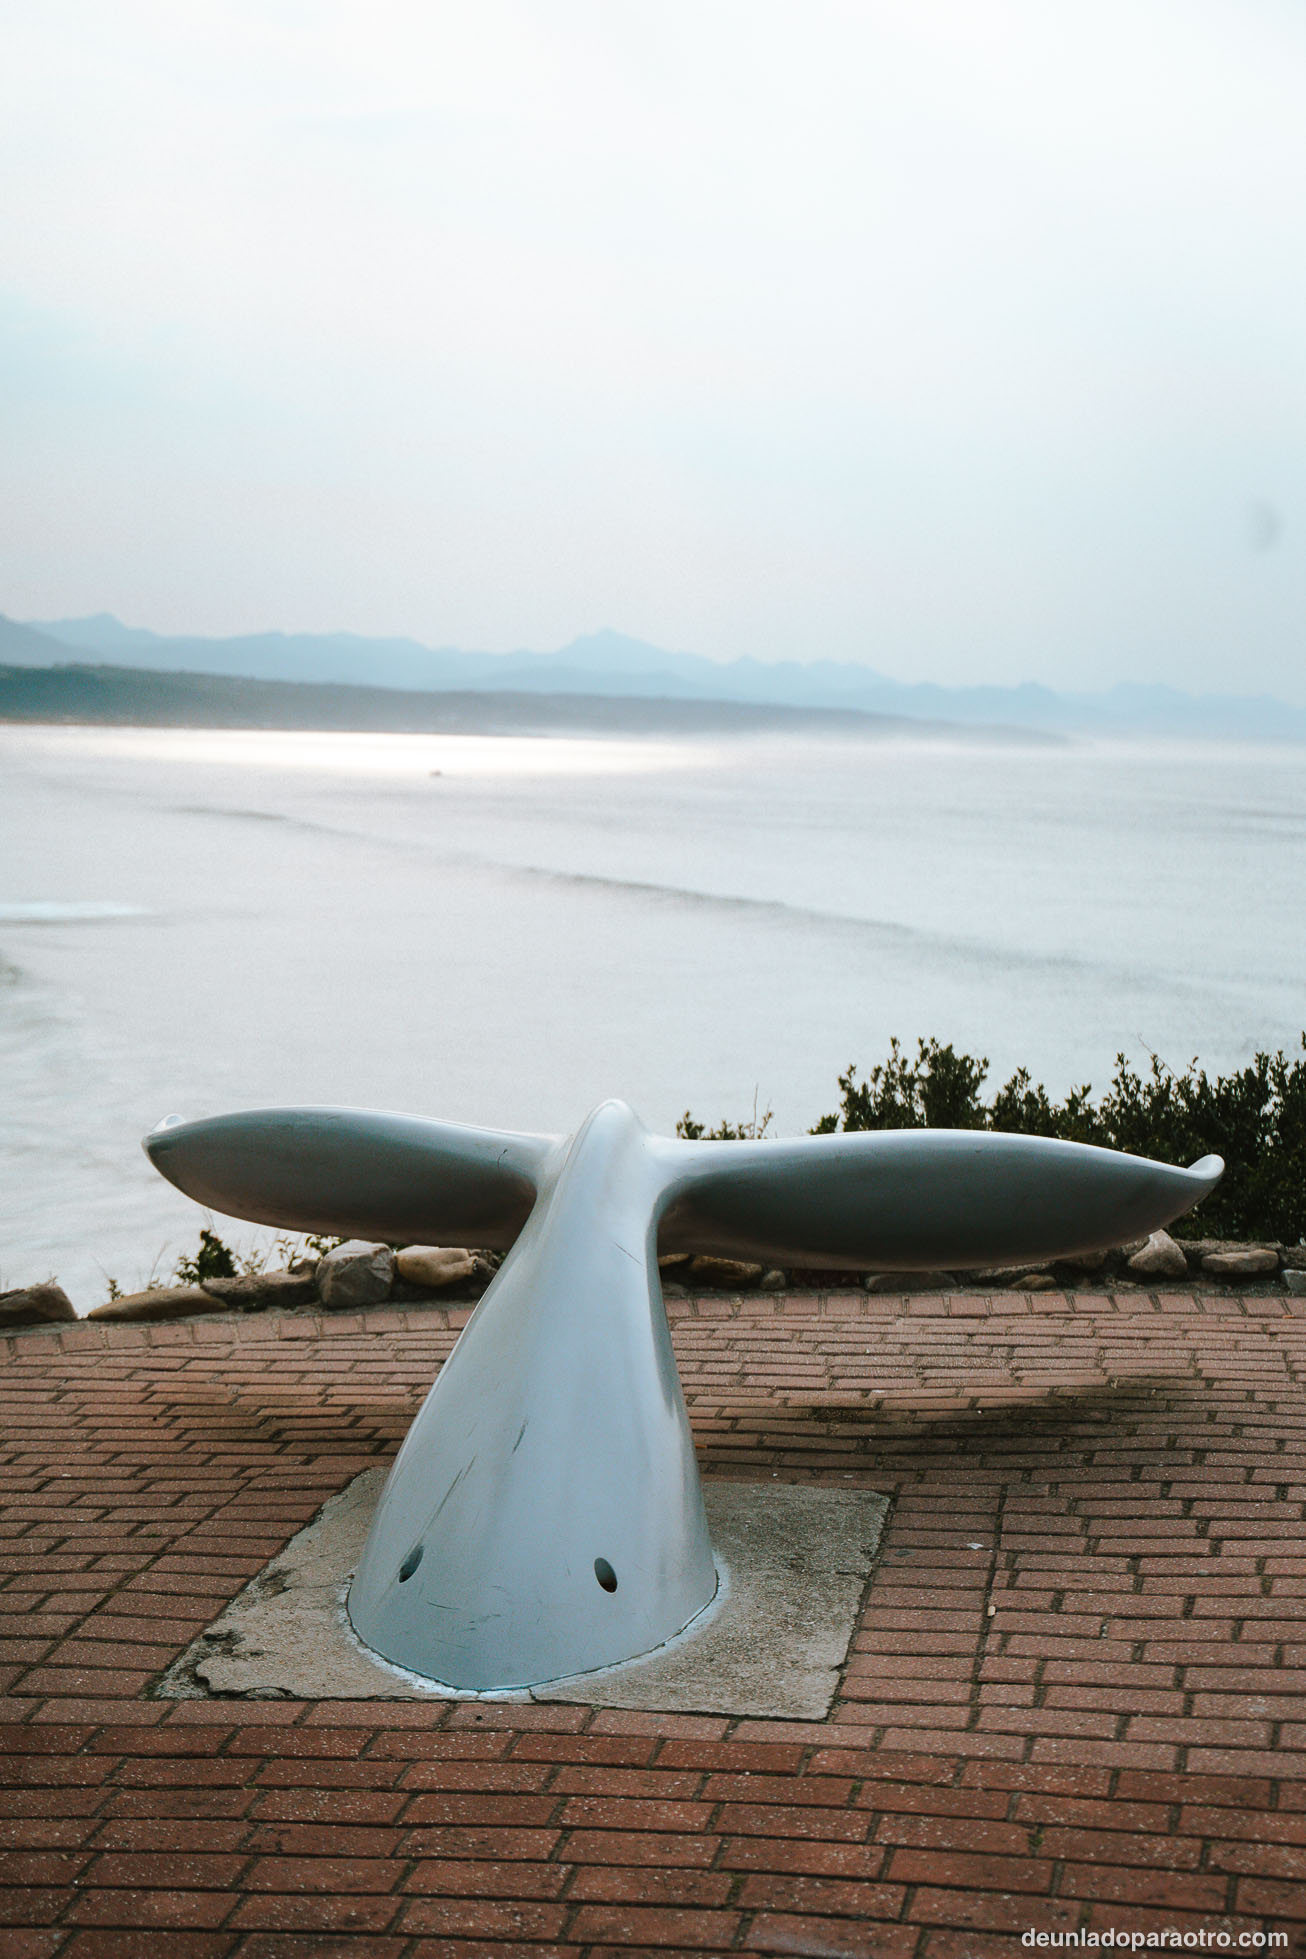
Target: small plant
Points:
(321, 1245)
(691, 1131)
(256, 1258)
(213, 1260)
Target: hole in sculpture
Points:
(410, 1564)
(606, 1576)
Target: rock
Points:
(1083, 1261)
(253, 1291)
(1160, 1258)
(42, 1305)
(1007, 1276)
(728, 1273)
(1034, 1282)
(773, 1280)
(1198, 1248)
(670, 1259)
(910, 1282)
(1243, 1263)
(435, 1266)
(355, 1274)
(1295, 1283)
(160, 1303)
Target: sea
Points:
(506, 930)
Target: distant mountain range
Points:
(612, 665)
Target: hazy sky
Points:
(963, 337)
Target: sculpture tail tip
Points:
(160, 1129)
(1208, 1170)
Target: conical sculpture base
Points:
(544, 1515)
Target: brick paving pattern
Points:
(1075, 1698)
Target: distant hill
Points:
(28, 646)
(612, 664)
(140, 697)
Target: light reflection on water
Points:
(254, 918)
(337, 754)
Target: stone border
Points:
(1198, 1264)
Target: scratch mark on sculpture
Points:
(452, 1487)
(517, 1444)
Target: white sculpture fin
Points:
(358, 1172)
(906, 1199)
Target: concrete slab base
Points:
(793, 1561)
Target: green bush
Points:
(1255, 1119)
(939, 1090)
(213, 1260)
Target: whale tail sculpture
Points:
(544, 1517)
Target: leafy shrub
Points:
(213, 1260)
(1254, 1118)
(939, 1090)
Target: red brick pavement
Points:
(1075, 1698)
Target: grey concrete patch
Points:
(794, 1561)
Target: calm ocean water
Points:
(507, 930)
